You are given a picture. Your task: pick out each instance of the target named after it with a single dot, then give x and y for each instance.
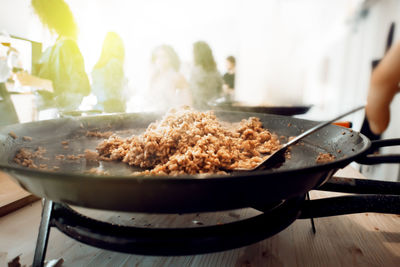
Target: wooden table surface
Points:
(12, 196)
(367, 239)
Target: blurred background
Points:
(288, 52)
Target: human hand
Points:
(383, 87)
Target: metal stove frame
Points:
(375, 196)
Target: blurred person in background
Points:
(168, 87)
(384, 85)
(205, 80)
(5, 70)
(229, 78)
(8, 59)
(60, 73)
(108, 79)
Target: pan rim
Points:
(71, 176)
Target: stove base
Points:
(383, 197)
(163, 241)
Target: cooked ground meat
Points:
(25, 157)
(97, 171)
(325, 157)
(190, 142)
(27, 138)
(43, 166)
(75, 157)
(91, 156)
(60, 157)
(98, 134)
(13, 135)
(39, 152)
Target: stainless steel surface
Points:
(43, 236)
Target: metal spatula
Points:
(279, 155)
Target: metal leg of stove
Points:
(43, 236)
(311, 218)
(350, 204)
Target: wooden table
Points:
(352, 240)
(12, 196)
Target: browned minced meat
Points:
(43, 166)
(91, 156)
(60, 157)
(75, 157)
(191, 142)
(325, 157)
(25, 157)
(39, 152)
(13, 135)
(98, 134)
(97, 171)
(27, 138)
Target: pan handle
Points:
(343, 205)
(360, 186)
(369, 158)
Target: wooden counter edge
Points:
(15, 205)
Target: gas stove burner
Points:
(376, 196)
(165, 241)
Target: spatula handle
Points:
(319, 126)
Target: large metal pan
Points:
(120, 191)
